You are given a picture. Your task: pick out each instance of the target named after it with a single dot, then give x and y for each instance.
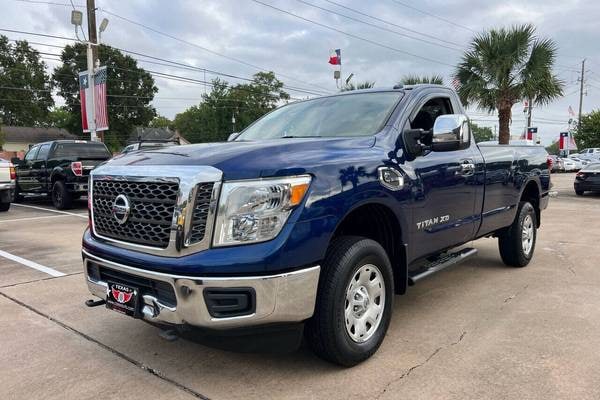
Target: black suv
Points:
(59, 168)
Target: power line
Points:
(433, 15)
(380, 27)
(350, 34)
(203, 48)
(176, 64)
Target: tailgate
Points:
(4, 172)
(89, 165)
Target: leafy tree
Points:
(59, 117)
(481, 133)
(130, 90)
(160, 122)
(415, 80)
(362, 85)
(211, 120)
(553, 148)
(24, 85)
(589, 135)
(502, 67)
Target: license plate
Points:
(123, 298)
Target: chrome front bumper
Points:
(287, 297)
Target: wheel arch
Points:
(532, 193)
(377, 221)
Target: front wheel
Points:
(61, 198)
(354, 301)
(517, 243)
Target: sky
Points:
(400, 37)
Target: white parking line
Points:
(51, 210)
(31, 264)
(30, 218)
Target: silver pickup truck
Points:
(7, 184)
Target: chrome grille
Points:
(152, 207)
(200, 214)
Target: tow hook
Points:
(94, 303)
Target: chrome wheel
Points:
(527, 234)
(365, 302)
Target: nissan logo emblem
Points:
(121, 209)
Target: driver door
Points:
(444, 194)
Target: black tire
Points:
(326, 331)
(4, 206)
(579, 192)
(513, 251)
(18, 196)
(61, 198)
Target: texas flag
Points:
(336, 59)
(566, 142)
(85, 99)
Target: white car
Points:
(580, 160)
(568, 165)
(592, 154)
(7, 184)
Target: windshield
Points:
(360, 114)
(81, 150)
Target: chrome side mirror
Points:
(233, 136)
(450, 132)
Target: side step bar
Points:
(440, 264)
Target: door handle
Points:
(467, 167)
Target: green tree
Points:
(589, 135)
(130, 89)
(24, 85)
(160, 122)
(504, 66)
(553, 148)
(361, 85)
(481, 133)
(211, 120)
(59, 117)
(416, 79)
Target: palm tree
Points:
(362, 85)
(416, 79)
(504, 66)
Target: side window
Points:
(30, 156)
(432, 109)
(43, 153)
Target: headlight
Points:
(255, 211)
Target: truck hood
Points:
(247, 160)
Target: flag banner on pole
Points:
(100, 99)
(566, 142)
(85, 99)
(336, 58)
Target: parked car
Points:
(319, 212)
(588, 179)
(568, 165)
(59, 168)
(583, 162)
(592, 154)
(7, 184)
(553, 163)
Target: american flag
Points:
(100, 99)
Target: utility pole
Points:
(92, 57)
(529, 113)
(581, 95)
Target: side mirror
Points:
(450, 132)
(233, 136)
(16, 161)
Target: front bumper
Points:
(286, 297)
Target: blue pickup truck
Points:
(317, 214)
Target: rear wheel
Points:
(517, 243)
(4, 206)
(579, 192)
(61, 198)
(354, 301)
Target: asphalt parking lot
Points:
(478, 330)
